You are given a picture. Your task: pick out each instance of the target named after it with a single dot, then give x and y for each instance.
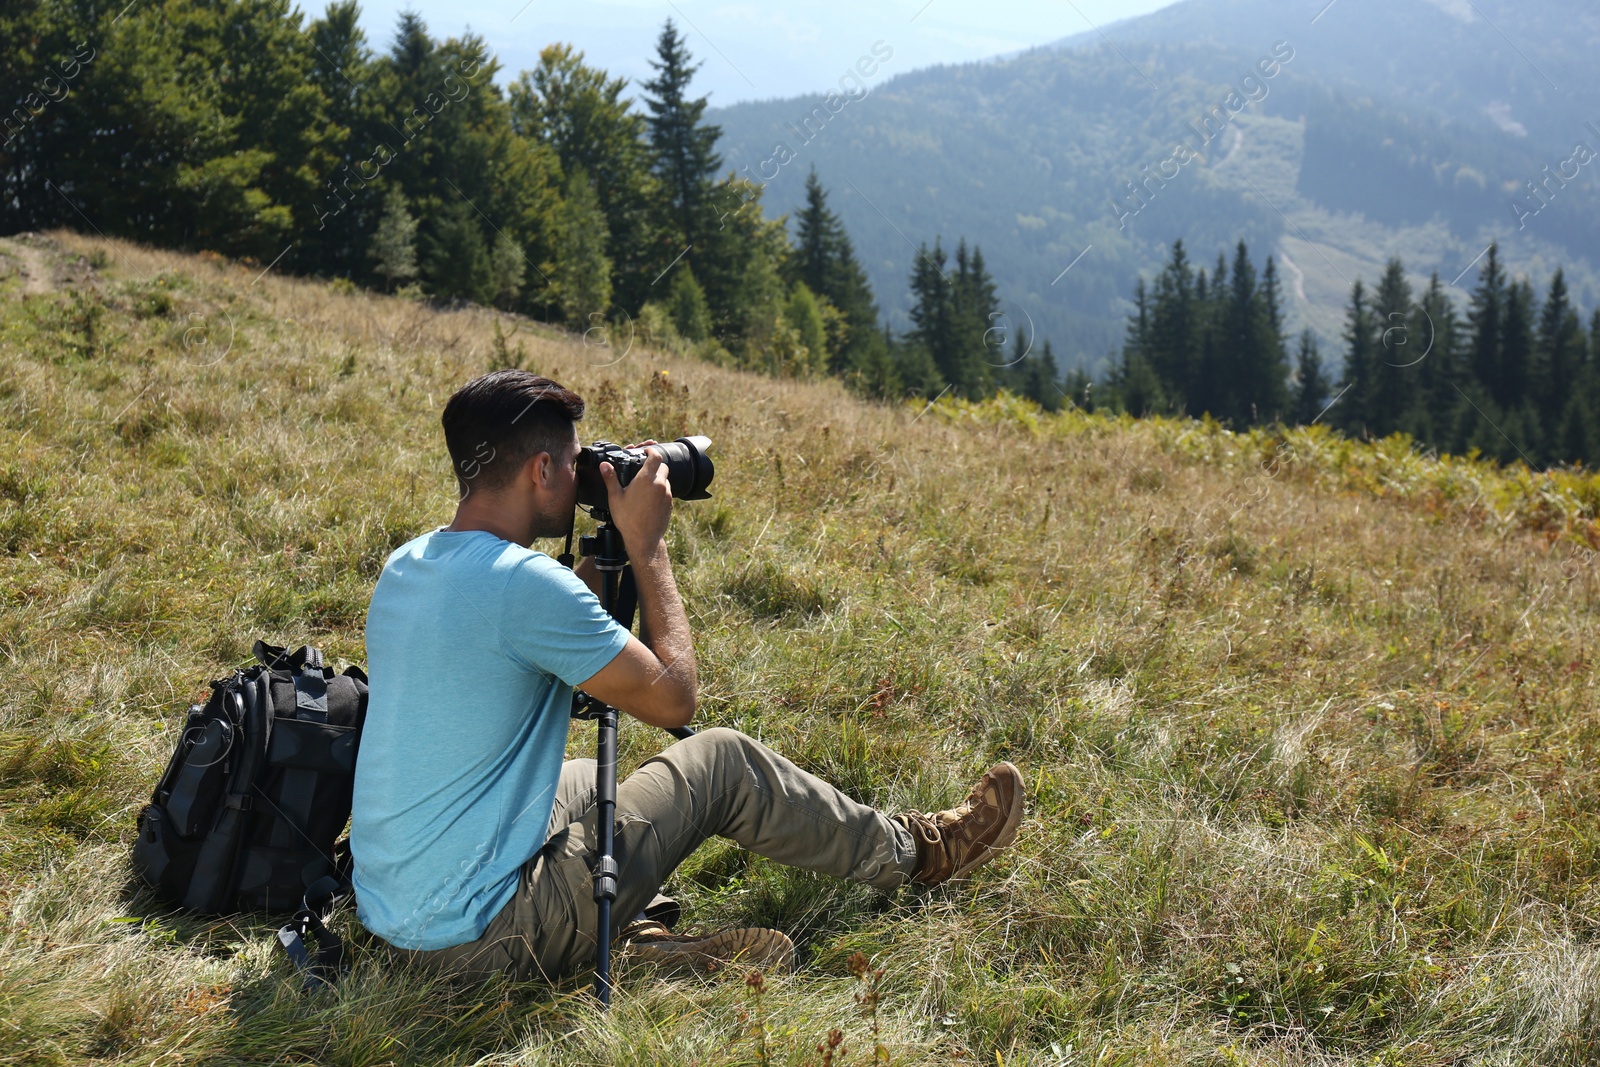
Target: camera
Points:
(689, 469)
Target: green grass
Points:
(1309, 725)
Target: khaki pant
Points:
(718, 783)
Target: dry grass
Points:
(1310, 726)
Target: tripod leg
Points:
(606, 871)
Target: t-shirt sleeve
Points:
(554, 623)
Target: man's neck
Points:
(466, 521)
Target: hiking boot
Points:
(953, 842)
(754, 947)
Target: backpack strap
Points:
(328, 964)
(212, 883)
(305, 664)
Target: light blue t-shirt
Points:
(473, 647)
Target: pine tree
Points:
(580, 114)
(977, 333)
(1273, 368)
(394, 246)
(686, 303)
(1435, 332)
(1516, 345)
(1079, 390)
(507, 264)
(1390, 393)
(1486, 315)
(874, 373)
(933, 328)
(1042, 381)
(684, 147)
(1557, 369)
(581, 273)
(1256, 389)
(1174, 336)
(1352, 411)
(804, 316)
(457, 264)
(825, 261)
(1311, 386)
(340, 68)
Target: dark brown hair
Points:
(496, 423)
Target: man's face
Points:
(557, 497)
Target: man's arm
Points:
(656, 683)
(589, 573)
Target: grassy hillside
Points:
(1310, 726)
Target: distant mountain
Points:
(1384, 127)
(1527, 69)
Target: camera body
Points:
(689, 469)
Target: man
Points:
(473, 842)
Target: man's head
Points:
(513, 443)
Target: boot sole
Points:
(750, 947)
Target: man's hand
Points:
(655, 679)
(642, 509)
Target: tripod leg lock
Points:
(606, 874)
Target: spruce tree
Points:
(684, 146)
(825, 261)
(1272, 296)
(1174, 341)
(1516, 345)
(394, 246)
(915, 369)
(1353, 410)
(686, 304)
(507, 268)
(581, 273)
(1311, 387)
(457, 263)
(340, 68)
(933, 329)
(804, 316)
(1274, 355)
(978, 337)
(1256, 371)
(1391, 391)
(1557, 369)
(1042, 381)
(874, 373)
(1487, 314)
(1441, 367)
(578, 111)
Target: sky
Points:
(752, 50)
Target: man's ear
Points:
(538, 469)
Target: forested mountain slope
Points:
(1392, 129)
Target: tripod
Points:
(620, 598)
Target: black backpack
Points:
(247, 815)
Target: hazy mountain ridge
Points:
(1397, 155)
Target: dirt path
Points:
(35, 265)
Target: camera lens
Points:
(689, 469)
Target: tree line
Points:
(240, 127)
(1513, 377)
